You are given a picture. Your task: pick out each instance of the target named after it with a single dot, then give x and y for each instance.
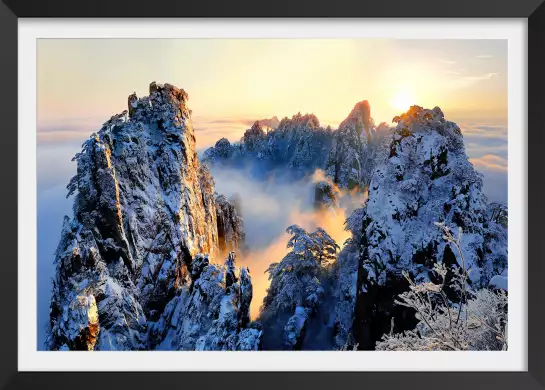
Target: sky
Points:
(81, 83)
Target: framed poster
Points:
(252, 197)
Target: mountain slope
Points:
(426, 178)
(144, 207)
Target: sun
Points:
(402, 101)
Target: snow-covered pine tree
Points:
(298, 143)
(294, 280)
(296, 288)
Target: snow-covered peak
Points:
(356, 149)
(298, 144)
(359, 118)
(144, 208)
(425, 179)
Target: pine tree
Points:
(295, 280)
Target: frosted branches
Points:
(480, 322)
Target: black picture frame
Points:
(11, 10)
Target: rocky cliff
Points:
(426, 178)
(230, 225)
(144, 209)
(212, 314)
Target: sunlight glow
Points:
(402, 101)
(232, 82)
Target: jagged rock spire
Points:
(230, 277)
(355, 150)
(144, 209)
(360, 118)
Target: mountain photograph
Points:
(286, 195)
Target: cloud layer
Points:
(268, 208)
(486, 146)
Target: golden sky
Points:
(88, 80)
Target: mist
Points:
(54, 170)
(271, 203)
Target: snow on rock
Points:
(355, 149)
(81, 271)
(144, 208)
(295, 328)
(230, 225)
(299, 144)
(326, 193)
(80, 321)
(344, 276)
(498, 282)
(426, 178)
(211, 314)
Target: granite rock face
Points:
(357, 147)
(144, 209)
(425, 179)
(210, 314)
(230, 225)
